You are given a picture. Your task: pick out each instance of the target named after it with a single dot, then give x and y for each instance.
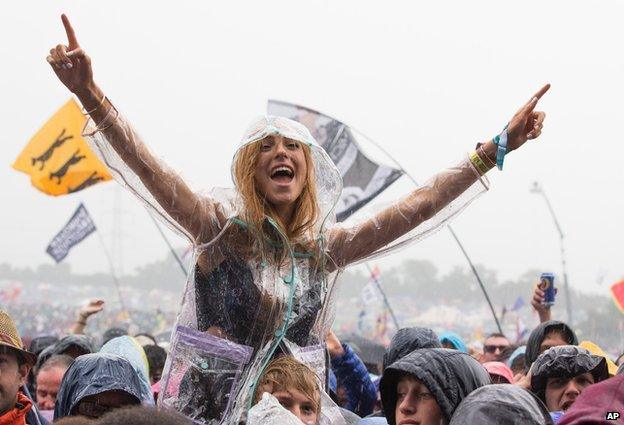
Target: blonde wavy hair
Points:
(286, 373)
(256, 208)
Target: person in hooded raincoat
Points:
(444, 376)
(546, 335)
(404, 341)
(452, 340)
(499, 372)
(73, 345)
(128, 348)
(267, 254)
(97, 383)
(560, 374)
(593, 406)
(501, 404)
(407, 340)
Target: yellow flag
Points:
(57, 158)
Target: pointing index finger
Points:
(541, 92)
(530, 105)
(71, 36)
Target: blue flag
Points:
(518, 304)
(77, 228)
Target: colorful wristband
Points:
(501, 142)
(478, 163)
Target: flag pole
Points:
(383, 294)
(175, 255)
(109, 259)
(461, 246)
(113, 274)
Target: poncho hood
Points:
(82, 342)
(326, 175)
(595, 401)
(407, 340)
(128, 348)
(454, 339)
(537, 337)
(450, 375)
(565, 361)
(94, 374)
(501, 404)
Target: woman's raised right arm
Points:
(73, 67)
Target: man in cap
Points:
(15, 363)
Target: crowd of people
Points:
(253, 343)
(423, 378)
(37, 319)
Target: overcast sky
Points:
(427, 80)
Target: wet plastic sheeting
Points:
(255, 291)
(96, 373)
(501, 404)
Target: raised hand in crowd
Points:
(86, 311)
(334, 346)
(70, 63)
(537, 302)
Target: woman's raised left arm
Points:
(445, 194)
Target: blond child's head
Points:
(295, 386)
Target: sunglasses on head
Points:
(492, 348)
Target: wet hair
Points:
(143, 415)
(256, 207)
(62, 361)
(286, 372)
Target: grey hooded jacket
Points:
(450, 375)
(501, 404)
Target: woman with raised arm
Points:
(267, 253)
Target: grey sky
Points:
(425, 79)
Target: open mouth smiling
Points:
(282, 174)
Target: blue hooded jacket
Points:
(455, 340)
(352, 375)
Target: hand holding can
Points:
(547, 285)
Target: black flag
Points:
(77, 228)
(362, 178)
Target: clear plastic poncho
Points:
(239, 307)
